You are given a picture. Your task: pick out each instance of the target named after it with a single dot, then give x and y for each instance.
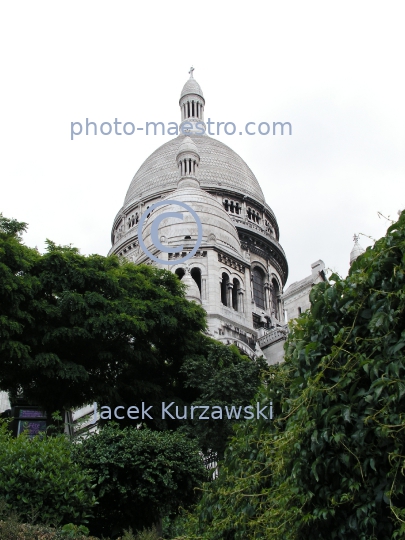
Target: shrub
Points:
(145, 534)
(141, 475)
(40, 481)
(12, 529)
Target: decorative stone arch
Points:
(256, 262)
(277, 279)
(225, 270)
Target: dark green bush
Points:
(141, 476)
(40, 481)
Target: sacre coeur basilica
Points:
(239, 270)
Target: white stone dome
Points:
(191, 87)
(216, 224)
(220, 166)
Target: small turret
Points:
(188, 160)
(192, 105)
(357, 249)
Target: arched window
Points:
(180, 272)
(274, 298)
(224, 288)
(196, 275)
(235, 292)
(258, 287)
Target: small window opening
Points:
(180, 272)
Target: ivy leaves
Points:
(332, 462)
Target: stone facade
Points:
(296, 297)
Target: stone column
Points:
(278, 308)
(220, 291)
(241, 308)
(203, 289)
(267, 302)
(229, 294)
(244, 212)
(273, 308)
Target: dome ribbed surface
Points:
(220, 166)
(191, 87)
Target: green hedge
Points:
(40, 481)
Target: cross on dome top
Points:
(357, 249)
(191, 72)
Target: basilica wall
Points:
(296, 297)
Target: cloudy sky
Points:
(334, 70)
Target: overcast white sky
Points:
(334, 70)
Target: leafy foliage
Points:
(219, 375)
(17, 288)
(76, 329)
(70, 530)
(40, 481)
(141, 475)
(331, 464)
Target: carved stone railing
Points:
(276, 334)
(246, 224)
(132, 233)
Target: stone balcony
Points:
(250, 225)
(273, 336)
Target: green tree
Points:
(141, 475)
(17, 288)
(331, 465)
(40, 481)
(76, 329)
